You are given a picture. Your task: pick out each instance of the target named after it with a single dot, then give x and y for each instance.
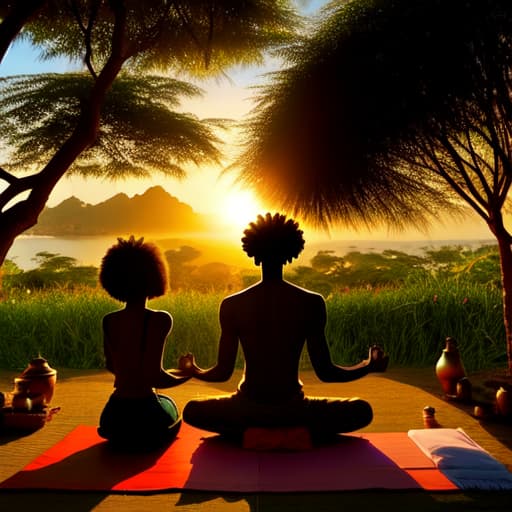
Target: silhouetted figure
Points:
(135, 416)
(272, 320)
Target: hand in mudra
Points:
(187, 363)
(377, 360)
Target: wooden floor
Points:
(397, 397)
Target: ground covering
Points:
(398, 398)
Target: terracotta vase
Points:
(40, 378)
(503, 402)
(449, 368)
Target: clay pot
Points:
(503, 402)
(40, 378)
(449, 368)
(464, 390)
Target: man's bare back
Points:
(272, 321)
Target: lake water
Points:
(86, 250)
(90, 250)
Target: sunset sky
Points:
(205, 189)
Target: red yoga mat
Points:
(197, 460)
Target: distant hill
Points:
(155, 211)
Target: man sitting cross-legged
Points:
(272, 320)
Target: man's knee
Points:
(191, 412)
(361, 410)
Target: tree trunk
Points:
(506, 279)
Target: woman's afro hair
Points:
(133, 269)
(273, 238)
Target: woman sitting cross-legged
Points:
(136, 416)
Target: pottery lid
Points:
(38, 367)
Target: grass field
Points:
(411, 323)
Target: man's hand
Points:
(377, 360)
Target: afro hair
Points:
(273, 238)
(132, 269)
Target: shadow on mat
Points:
(85, 470)
(346, 463)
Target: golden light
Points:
(239, 208)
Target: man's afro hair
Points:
(273, 238)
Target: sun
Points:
(240, 207)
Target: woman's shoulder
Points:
(111, 317)
(159, 315)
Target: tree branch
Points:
(87, 31)
(464, 163)
(461, 169)
(7, 176)
(480, 208)
(15, 20)
(87, 127)
(16, 187)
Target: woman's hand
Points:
(187, 365)
(377, 360)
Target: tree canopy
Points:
(339, 132)
(392, 111)
(141, 129)
(111, 38)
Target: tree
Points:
(14, 16)
(201, 37)
(388, 108)
(140, 132)
(52, 271)
(180, 266)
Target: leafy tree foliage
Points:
(140, 130)
(111, 36)
(207, 277)
(53, 270)
(330, 274)
(354, 270)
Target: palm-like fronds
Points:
(140, 130)
(337, 135)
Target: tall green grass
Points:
(411, 323)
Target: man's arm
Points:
(226, 358)
(319, 354)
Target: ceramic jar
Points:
(429, 417)
(449, 368)
(40, 378)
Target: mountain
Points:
(153, 212)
